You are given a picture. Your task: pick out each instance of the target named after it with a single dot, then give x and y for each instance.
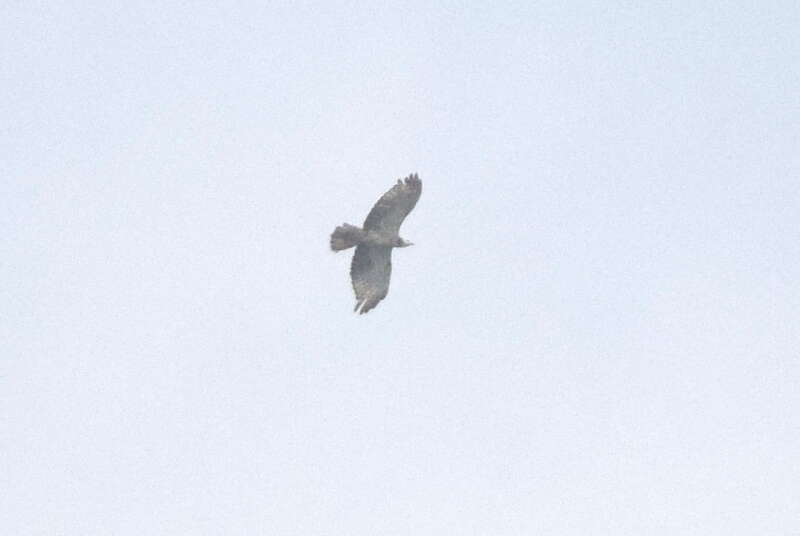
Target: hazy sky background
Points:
(597, 331)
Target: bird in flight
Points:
(372, 262)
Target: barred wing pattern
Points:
(392, 208)
(370, 272)
(371, 268)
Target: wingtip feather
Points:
(413, 180)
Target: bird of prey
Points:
(372, 262)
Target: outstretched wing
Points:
(392, 208)
(370, 272)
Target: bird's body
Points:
(371, 268)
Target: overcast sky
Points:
(597, 331)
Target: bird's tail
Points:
(345, 236)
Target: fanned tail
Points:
(346, 236)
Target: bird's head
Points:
(401, 243)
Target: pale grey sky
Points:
(597, 331)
